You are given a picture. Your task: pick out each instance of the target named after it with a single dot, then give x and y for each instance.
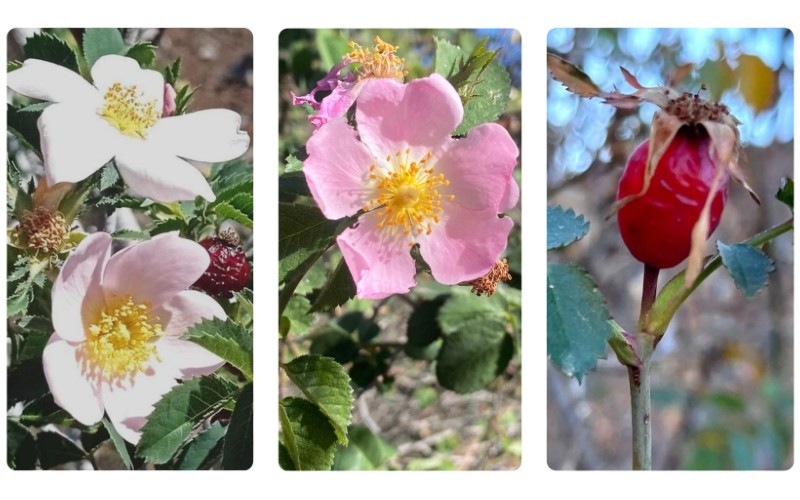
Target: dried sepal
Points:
(50, 196)
(700, 230)
(725, 141)
(575, 80)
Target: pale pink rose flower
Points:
(120, 116)
(118, 320)
(169, 101)
(417, 185)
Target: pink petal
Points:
(129, 402)
(465, 244)
(75, 142)
(210, 135)
(329, 82)
(185, 309)
(51, 82)
(381, 264)
(421, 114)
(479, 166)
(155, 270)
(338, 102)
(159, 175)
(77, 295)
(510, 196)
(337, 168)
(184, 359)
(71, 390)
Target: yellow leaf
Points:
(756, 82)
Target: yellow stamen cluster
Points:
(382, 62)
(407, 194)
(120, 342)
(487, 284)
(43, 229)
(125, 109)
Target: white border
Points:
(266, 19)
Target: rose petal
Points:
(159, 175)
(128, 403)
(421, 114)
(338, 102)
(210, 135)
(155, 270)
(75, 142)
(510, 196)
(111, 69)
(479, 166)
(71, 390)
(337, 169)
(51, 82)
(380, 263)
(186, 309)
(77, 295)
(184, 359)
(465, 244)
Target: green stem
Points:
(649, 289)
(641, 436)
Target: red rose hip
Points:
(657, 227)
(229, 270)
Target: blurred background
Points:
(422, 425)
(722, 375)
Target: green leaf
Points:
(313, 279)
(297, 312)
(324, 382)
(129, 234)
(331, 46)
(34, 108)
(55, 449)
(202, 450)
(24, 127)
(178, 412)
(227, 211)
(173, 72)
(144, 53)
(99, 42)
(242, 189)
(303, 234)
(285, 459)
(21, 446)
(475, 347)
(167, 226)
(339, 288)
(308, 437)
(226, 339)
(291, 185)
(564, 227)
(366, 451)
(119, 443)
(292, 165)
(334, 343)
(748, 266)
(423, 329)
(33, 345)
(109, 176)
(786, 193)
(13, 66)
(577, 320)
(52, 49)
(483, 84)
(237, 453)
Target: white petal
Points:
(187, 308)
(71, 390)
(77, 295)
(112, 69)
(130, 402)
(51, 82)
(184, 359)
(210, 135)
(156, 174)
(75, 142)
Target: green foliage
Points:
(577, 320)
(13, 66)
(339, 288)
(109, 176)
(23, 126)
(228, 340)
(291, 185)
(241, 213)
(203, 450)
(21, 446)
(476, 347)
(423, 330)
(144, 53)
(129, 234)
(303, 234)
(292, 165)
(48, 47)
(325, 384)
(99, 42)
(119, 443)
(334, 343)
(29, 277)
(55, 449)
(237, 453)
(297, 313)
(564, 227)
(786, 192)
(366, 451)
(331, 46)
(173, 72)
(177, 414)
(308, 436)
(483, 84)
(749, 267)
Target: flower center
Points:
(119, 343)
(406, 194)
(126, 109)
(43, 229)
(382, 62)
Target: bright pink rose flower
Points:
(382, 62)
(118, 322)
(417, 184)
